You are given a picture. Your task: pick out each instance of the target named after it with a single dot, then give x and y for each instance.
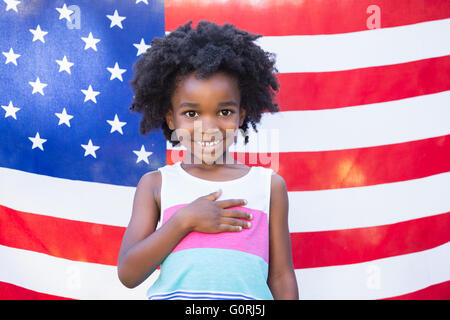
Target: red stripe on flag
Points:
(10, 291)
(439, 291)
(62, 238)
(365, 166)
(308, 17)
(309, 249)
(305, 91)
(358, 167)
(348, 246)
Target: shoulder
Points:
(277, 182)
(150, 179)
(279, 195)
(150, 183)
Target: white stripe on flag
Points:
(64, 198)
(318, 210)
(351, 127)
(377, 279)
(66, 278)
(345, 51)
(368, 206)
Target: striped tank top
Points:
(227, 265)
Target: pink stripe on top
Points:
(240, 241)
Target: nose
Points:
(207, 127)
(209, 123)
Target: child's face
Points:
(206, 110)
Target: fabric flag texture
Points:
(362, 141)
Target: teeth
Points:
(208, 144)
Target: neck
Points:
(224, 160)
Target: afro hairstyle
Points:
(208, 49)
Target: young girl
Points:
(218, 228)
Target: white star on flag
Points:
(38, 34)
(11, 4)
(90, 94)
(116, 20)
(38, 86)
(64, 13)
(10, 110)
(116, 72)
(64, 65)
(37, 141)
(11, 56)
(91, 42)
(64, 117)
(142, 47)
(142, 155)
(116, 125)
(90, 149)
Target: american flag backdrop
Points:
(362, 140)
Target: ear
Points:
(169, 119)
(242, 116)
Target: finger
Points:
(231, 203)
(234, 213)
(213, 195)
(235, 222)
(228, 228)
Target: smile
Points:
(206, 144)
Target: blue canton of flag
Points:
(65, 70)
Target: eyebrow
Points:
(221, 104)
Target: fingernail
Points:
(239, 228)
(250, 216)
(245, 201)
(249, 224)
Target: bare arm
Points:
(281, 279)
(141, 254)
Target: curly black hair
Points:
(208, 49)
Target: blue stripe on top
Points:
(210, 273)
(180, 294)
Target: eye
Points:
(228, 112)
(190, 113)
